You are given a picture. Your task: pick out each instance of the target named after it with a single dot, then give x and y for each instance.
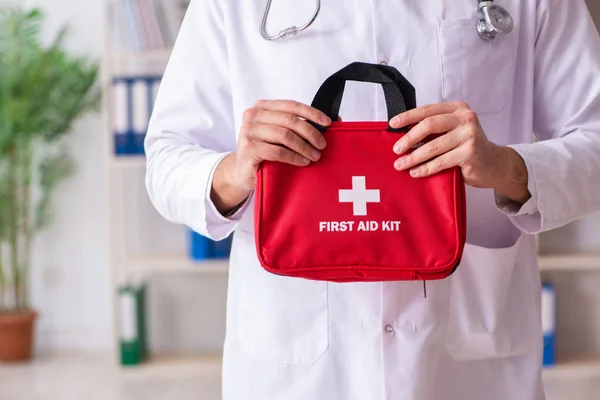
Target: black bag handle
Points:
(399, 92)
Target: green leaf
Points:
(52, 171)
(3, 196)
(43, 90)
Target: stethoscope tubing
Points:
(292, 30)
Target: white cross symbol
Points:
(359, 196)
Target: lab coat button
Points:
(389, 329)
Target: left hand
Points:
(464, 144)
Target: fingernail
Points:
(394, 122)
(326, 120)
(306, 161)
(399, 164)
(414, 173)
(316, 155)
(322, 143)
(399, 148)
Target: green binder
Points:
(141, 319)
(129, 336)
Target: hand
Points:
(464, 144)
(277, 130)
(274, 130)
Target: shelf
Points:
(178, 263)
(161, 55)
(128, 161)
(573, 262)
(578, 369)
(180, 366)
(575, 369)
(175, 264)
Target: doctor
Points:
(230, 99)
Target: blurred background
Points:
(100, 298)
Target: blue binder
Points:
(121, 107)
(222, 248)
(549, 323)
(200, 247)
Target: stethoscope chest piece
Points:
(496, 20)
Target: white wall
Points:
(70, 280)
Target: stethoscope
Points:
(495, 20)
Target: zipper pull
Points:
(425, 289)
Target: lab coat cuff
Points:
(221, 226)
(527, 216)
(513, 208)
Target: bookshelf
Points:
(143, 245)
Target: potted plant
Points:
(43, 90)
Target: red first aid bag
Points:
(351, 216)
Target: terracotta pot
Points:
(16, 336)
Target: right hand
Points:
(277, 130)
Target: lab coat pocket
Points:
(493, 310)
(280, 320)
(476, 71)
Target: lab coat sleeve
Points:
(564, 163)
(192, 125)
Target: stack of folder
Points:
(132, 103)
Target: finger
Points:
(273, 152)
(438, 164)
(295, 108)
(418, 114)
(293, 123)
(435, 148)
(441, 123)
(278, 135)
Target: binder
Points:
(150, 23)
(200, 247)
(129, 335)
(132, 19)
(163, 23)
(154, 90)
(549, 323)
(142, 23)
(141, 113)
(120, 116)
(146, 24)
(222, 248)
(141, 289)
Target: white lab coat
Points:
(477, 335)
